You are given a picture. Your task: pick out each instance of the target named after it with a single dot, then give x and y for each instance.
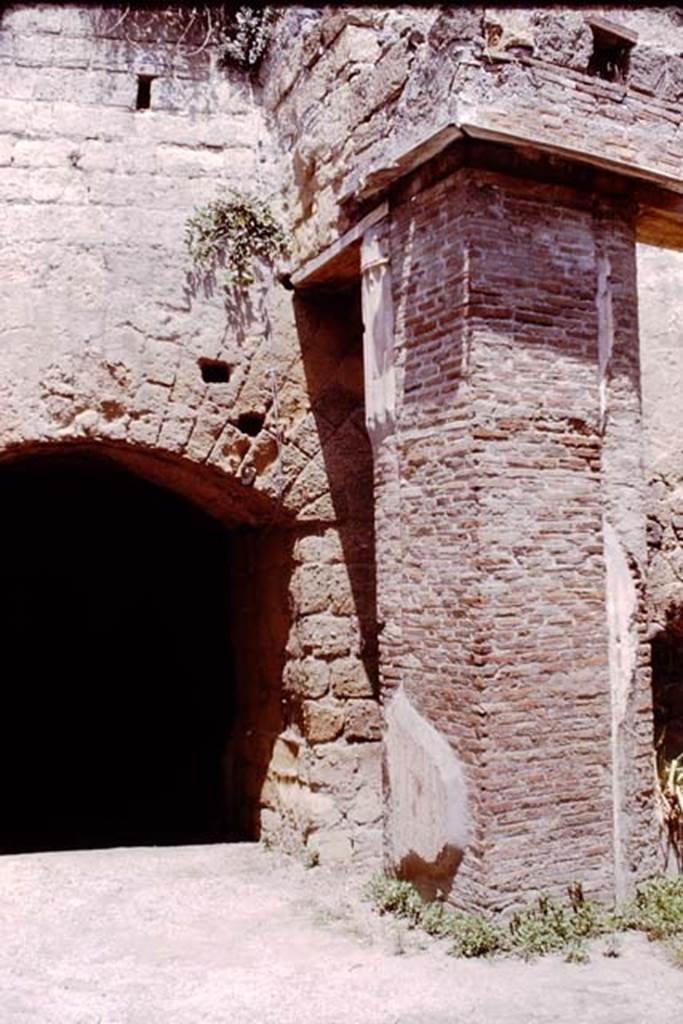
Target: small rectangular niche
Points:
(143, 100)
(215, 371)
(612, 45)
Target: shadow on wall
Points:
(143, 647)
(261, 619)
(330, 331)
(241, 313)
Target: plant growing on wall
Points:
(245, 37)
(238, 35)
(233, 232)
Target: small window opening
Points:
(612, 45)
(144, 97)
(251, 423)
(214, 371)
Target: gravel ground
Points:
(235, 934)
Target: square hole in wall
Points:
(250, 423)
(143, 100)
(215, 371)
(612, 45)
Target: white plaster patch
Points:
(378, 336)
(603, 300)
(428, 800)
(622, 610)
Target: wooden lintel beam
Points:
(327, 266)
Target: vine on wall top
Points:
(240, 35)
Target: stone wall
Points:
(511, 492)
(104, 339)
(660, 272)
(351, 89)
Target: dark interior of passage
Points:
(117, 672)
(667, 690)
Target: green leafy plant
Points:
(472, 935)
(547, 927)
(541, 928)
(393, 896)
(657, 908)
(576, 952)
(245, 37)
(434, 918)
(233, 232)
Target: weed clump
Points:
(657, 909)
(474, 935)
(548, 927)
(470, 934)
(234, 231)
(392, 896)
(543, 927)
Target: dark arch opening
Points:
(118, 690)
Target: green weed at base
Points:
(472, 935)
(543, 927)
(657, 908)
(548, 927)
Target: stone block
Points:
(319, 810)
(363, 720)
(327, 635)
(309, 678)
(349, 678)
(367, 806)
(284, 762)
(322, 723)
(333, 847)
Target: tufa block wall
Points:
(103, 340)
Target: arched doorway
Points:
(118, 689)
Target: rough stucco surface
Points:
(428, 822)
(660, 302)
(661, 331)
(487, 561)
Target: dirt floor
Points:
(236, 934)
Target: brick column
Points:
(508, 474)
